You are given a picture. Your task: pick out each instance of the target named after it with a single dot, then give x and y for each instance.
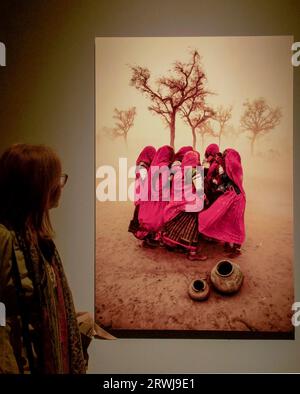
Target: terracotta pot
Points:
(226, 277)
(199, 290)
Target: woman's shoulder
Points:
(5, 233)
(6, 242)
(6, 247)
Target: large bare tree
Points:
(124, 122)
(222, 116)
(206, 128)
(259, 118)
(195, 112)
(184, 82)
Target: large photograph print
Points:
(194, 187)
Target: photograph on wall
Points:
(194, 186)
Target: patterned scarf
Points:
(61, 342)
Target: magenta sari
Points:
(213, 178)
(151, 211)
(145, 158)
(181, 214)
(182, 151)
(224, 219)
(184, 198)
(211, 150)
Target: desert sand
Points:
(147, 289)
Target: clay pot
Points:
(199, 290)
(226, 277)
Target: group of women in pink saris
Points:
(205, 201)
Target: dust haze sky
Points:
(237, 68)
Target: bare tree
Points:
(222, 116)
(259, 118)
(231, 132)
(124, 122)
(173, 91)
(206, 128)
(107, 131)
(195, 112)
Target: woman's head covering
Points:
(163, 156)
(191, 159)
(182, 151)
(211, 150)
(234, 168)
(232, 152)
(184, 197)
(157, 195)
(146, 156)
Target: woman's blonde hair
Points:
(29, 183)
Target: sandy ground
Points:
(146, 289)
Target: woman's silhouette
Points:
(41, 333)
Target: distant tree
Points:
(107, 131)
(124, 122)
(206, 128)
(195, 112)
(259, 118)
(171, 92)
(231, 132)
(222, 116)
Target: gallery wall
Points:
(47, 96)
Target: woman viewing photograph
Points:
(41, 333)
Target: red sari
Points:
(184, 197)
(181, 214)
(176, 165)
(213, 177)
(182, 151)
(144, 160)
(146, 156)
(143, 163)
(211, 150)
(151, 211)
(224, 219)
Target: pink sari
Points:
(182, 151)
(224, 219)
(151, 211)
(184, 196)
(145, 158)
(211, 150)
(213, 178)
